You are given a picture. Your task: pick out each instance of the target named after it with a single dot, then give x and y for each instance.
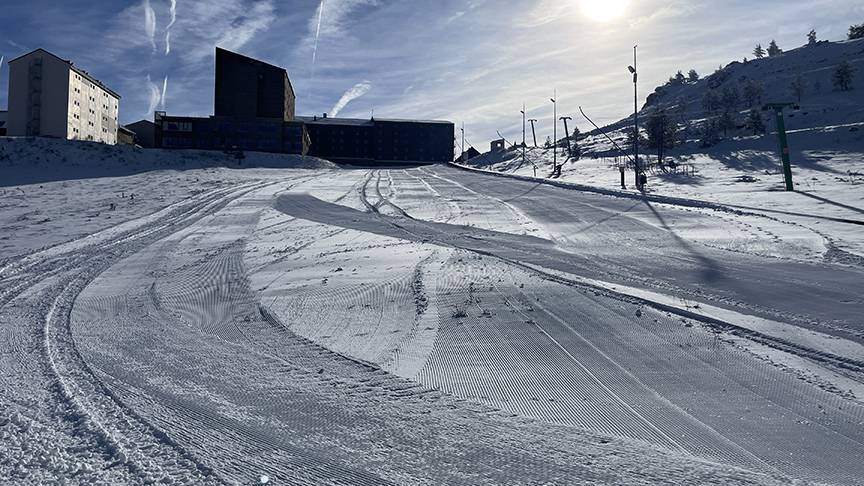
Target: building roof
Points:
(364, 121)
(74, 68)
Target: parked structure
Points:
(383, 140)
(255, 110)
(468, 155)
(51, 97)
(125, 136)
(145, 133)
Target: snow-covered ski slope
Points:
(826, 137)
(425, 326)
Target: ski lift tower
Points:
(784, 141)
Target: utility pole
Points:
(523, 133)
(567, 134)
(533, 132)
(463, 142)
(636, 119)
(554, 131)
(784, 142)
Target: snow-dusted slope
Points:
(826, 136)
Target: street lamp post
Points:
(635, 73)
(523, 133)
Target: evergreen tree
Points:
(811, 38)
(753, 92)
(759, 52)
(548, 143)
(799, 86)
(693, 76)
(755, 122)
(662, 134)
(576, 151)
(773, 50)
(680, 78)
(730, 98)
(727, 122)
(842, 77)
(710, 134)
(856, 32)
(711, 101)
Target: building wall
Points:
(227, 133)
(38, 94)
(92, 111)
(145, 133)
(248, 88)
(50, 98)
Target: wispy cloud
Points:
(352, 94)
(173, 13)
(228, 23)
(163, 98)
(154, 99)
(150, 23)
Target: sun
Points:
(603, 10)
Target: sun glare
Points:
(603, 10)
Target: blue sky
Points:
(475, 61)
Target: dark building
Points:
(382, 140)
(3, 118)
(468, 155)
(227, 133)
(248, 88)
(125, 136)
(145, 133)
(254, 110)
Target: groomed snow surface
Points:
(432, 325)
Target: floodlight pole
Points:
(523, 133)
(554, 131)
(532, 121)
(567, 134)
(463, 142)
(635, 73)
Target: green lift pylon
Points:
(784, 142)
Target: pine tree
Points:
(710, 134)
(680, 78)
(576, 151)
(548, 143)
(755, 122)
(773, 50)
(842, 77)
(759, 52)
(753, 92)
(799, 86)
(856, 32)
(662, 134)
(730, 98)
(711, 101)
(726, 122)
(693, 76)
(811, 37)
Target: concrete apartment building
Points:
(51, 97)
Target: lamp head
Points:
(631, 69)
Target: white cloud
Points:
(150, 23)
(225, 23)
(172, 11)
(155, 97)
(352, 94)
(164, 92)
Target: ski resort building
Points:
(254, 110)
(51, 97)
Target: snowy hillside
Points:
(52, 191)
(826, 136)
